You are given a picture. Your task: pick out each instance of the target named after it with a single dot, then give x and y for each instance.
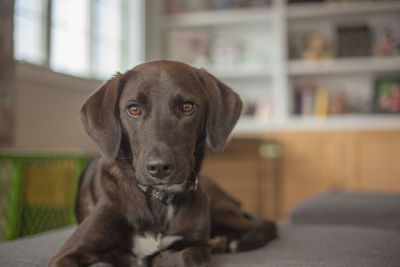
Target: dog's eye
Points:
(187, 107)
(134, 110)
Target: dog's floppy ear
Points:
(223, 110)
(100, 117)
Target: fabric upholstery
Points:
(330, 246)
(365, 209)
(297, 245)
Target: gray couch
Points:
(375, 210)
(316, 237)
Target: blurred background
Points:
(320, 81)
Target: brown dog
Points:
(142, 203)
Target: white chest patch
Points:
(149, 243)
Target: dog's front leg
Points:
(103, 236)
(190, 256)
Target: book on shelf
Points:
(387, 95)
(307, 106)
(311, 100)
(321, 102)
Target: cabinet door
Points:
(311, 165)
(378, 161)
(316, 162)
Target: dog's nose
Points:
(159, 168)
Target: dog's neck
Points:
(169, 196)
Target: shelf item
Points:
(315, 10)
(375, 36)
(220, 17)
(344, 65)
(354, 41)
(225, 57)
(387, 96)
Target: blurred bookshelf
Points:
(270, 51)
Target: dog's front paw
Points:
(168, 258)
(258, 236)
(219, 244)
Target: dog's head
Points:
(161, 112)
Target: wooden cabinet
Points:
(248, 170)
(315, 162)
(310, 163)
(377, 160)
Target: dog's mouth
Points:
(174, 187)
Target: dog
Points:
(142, 201)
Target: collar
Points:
(166, 196)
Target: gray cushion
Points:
(298, 245)
(367, 209)
(322, 246)
(34, 250)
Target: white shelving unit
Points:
(242, 72)
(347, 123)
(276, 77)
(213, 18)
(315, 10)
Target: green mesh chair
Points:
(37, 192)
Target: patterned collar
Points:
(166, 196)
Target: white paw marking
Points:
(217, 240)
(149, 243)
(233, 245)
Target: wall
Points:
(6, 71)
(47, 110)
